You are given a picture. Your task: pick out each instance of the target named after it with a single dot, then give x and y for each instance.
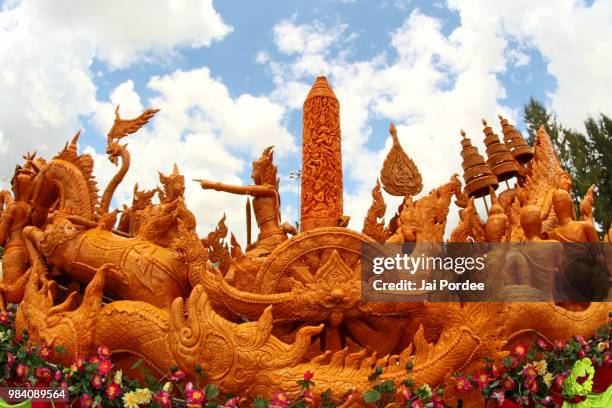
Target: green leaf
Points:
(387, 386)
(371, 396)
(260, 402)
(507, 361)
(211, 391)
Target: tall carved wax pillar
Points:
(500, 160)
(519, 148)
(321, 159)
(477, 175)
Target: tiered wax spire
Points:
(519, 148)
(477, 175)
(500, 161)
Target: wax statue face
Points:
(565, 182)
(530, 221)
(256, 174)
(562, 203)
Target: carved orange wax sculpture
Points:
(285, 305)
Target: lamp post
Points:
(297, 175)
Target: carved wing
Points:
(123, 127)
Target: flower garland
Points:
(541, 375)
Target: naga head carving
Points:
(174, 185)
(230, 353)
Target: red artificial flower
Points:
(21, 370)
(46, 353)
(530, 371)
(97, 381)
(462, 384)
(79, 362)
(113, 390)
(86, 400)
(404, 392)
(581, 354)
(532, 385)
(560, 344)
(582, 341)
(482, 379)
(437, 401)
(417, 403)
(104, 351)
(43, 374)
(94, 360)
(308, 375)
(508, 383)
(607, 359)
(520, 350)
(104, 367)
(4, 318)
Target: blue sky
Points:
(230, 78)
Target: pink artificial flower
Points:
(163, 399)
(581, 354)
(279, 400)
(308, 396)
(542, 344)
(86, 400)
(308, 375)
(499, 396)
(607, 359)
(10, 359)
(57, 375)
(463, 384)
(232, 403)
(113, 390)
(194, 395)
(104, 351)
(104, 367)
(178, 375)
(582, 341)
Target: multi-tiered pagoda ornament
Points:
(519, 148)
(500, 160)
(399, 175)
(321, 159)
(477, 175)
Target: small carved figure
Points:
(15, 216)
(266, 203)
(569, 230)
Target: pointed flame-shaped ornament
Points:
(399, 175)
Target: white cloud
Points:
(47, 50)
(126, 31)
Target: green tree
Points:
(586, 157)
